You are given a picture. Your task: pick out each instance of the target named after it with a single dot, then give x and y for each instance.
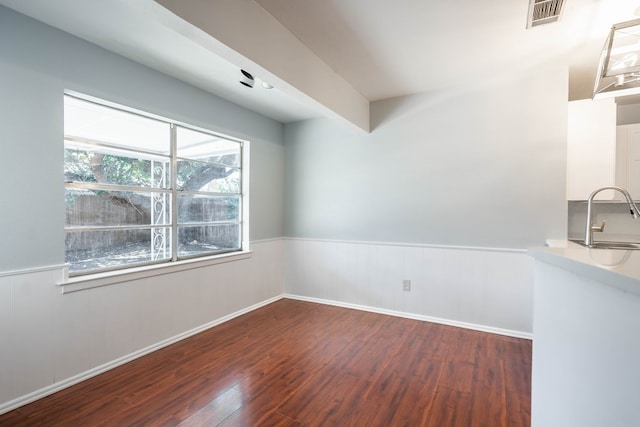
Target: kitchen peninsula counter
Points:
(586, 337)
(613, 267)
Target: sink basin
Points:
(611, 245)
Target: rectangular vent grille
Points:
(543, 12)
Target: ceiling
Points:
(387, 49)
(132, 29)
(380, 48)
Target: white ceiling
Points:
(391, 48)
(381, 48)
(133, 29)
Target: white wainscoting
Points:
(488, 289)
(51, 340)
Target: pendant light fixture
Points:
(619, 68)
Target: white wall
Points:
(476, 167)
(483, 289)
(47, 339)
(37, 64)
(480, 168)
(51, 340)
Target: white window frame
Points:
(125, 272)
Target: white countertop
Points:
(613, 267)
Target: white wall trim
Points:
(68, 382)
(90, 281)
(273, 239)
(33, 270)
(475, 327)
(413, 245)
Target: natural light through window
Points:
(140, 190)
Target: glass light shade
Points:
(619, 68)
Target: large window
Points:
(141, 190)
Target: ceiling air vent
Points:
(543, 12)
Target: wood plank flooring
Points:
(294, 363)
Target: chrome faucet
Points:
(590, 228)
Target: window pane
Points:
(208, 239)
(84, 163)
(198, 176)
(92, 208)
(207, 148)
(92, 250)
(84, 119)
(207, 208)
(126, 201)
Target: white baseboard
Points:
(68, 382)
(481, 328)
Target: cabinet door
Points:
(628, 174)
(591, 148)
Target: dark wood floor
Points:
(295, 363)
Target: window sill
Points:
(90, 281)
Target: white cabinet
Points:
(628, 158)
(591, 148)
